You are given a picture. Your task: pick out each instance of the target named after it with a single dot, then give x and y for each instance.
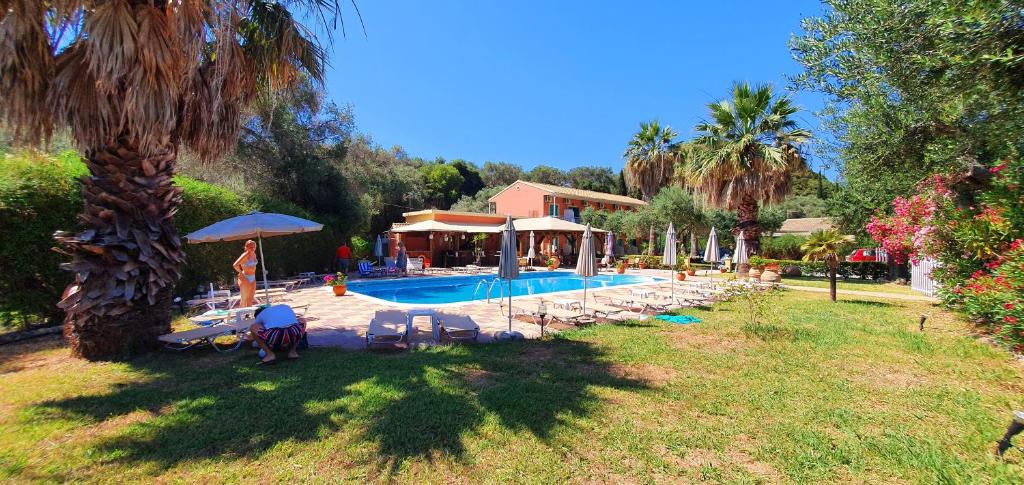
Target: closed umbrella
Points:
(711, 251)
(668, 258)
(585, 266)
(508, 269)
(530, 254)
(741, 250)
(609, 248)
(378, 249)
(254, 225)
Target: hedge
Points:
(39, 195)
(864, 270)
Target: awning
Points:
(438, 226)
(552, 224)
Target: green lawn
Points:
(845, 392)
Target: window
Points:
(553, 209)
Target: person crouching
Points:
(277, 328)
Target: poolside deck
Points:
(342, 321)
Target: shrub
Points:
(996, 300)
(782, 247)
(38, 195)
(863, 270)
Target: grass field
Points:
(845, 392)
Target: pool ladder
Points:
(490, 287)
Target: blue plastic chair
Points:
(365, 270)
(390, 266)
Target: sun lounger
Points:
(366, 269)
(567, 315)
(458, 327)
(414, 265)
(196, 337)
(388, 327)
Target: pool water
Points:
(453, 289)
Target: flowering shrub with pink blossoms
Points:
(975, 231)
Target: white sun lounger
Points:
(388, 327)
(458, 327)
(196, 337)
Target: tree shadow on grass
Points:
(412, 406)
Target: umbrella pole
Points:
(266, 285)
(510, 306)
(584, 294)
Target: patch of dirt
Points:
(478, 378)
(33, 354)
(685, 340)
(539, 353)
(876, 375)
(699, 457)
(654, 375)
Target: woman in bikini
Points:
(245, 266)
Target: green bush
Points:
(782, 247)
(40, 195)
(863, 270)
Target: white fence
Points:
(921, 276)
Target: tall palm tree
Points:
(826, 245)
(745, 154)
(650, 159)
(132, 81)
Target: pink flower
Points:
(1010, 319)
(999, 168)
(1008, 306)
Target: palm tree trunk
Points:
(693, 242)
(746, 212)
(650, 242)
(127, 258)
(832, 281)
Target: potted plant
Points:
(620, 267)
(756, 266)
(690, 270)
(552, 264)
(337, 282)
(642, 262)
(681, 271)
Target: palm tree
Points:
(133, 81)
(650, 159)
(826, 245)
(745, 154)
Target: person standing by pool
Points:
(401, 259)
(343, 254)
(245, 266)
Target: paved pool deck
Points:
(342, 321)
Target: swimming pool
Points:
(453, 289)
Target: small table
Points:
(423, 312)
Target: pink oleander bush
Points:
(995, 298)
(974, 231)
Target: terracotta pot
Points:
(691, 272)
(551, 267)
(642, 265)
(340, 290)
(681, 276)
(620, 270)
(770, 276)
(772, 267)
(754, 273)
(721, 270)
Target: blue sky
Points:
(563, 83)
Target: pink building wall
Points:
(521, 200)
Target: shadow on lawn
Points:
(881, 304)
(412, 405)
